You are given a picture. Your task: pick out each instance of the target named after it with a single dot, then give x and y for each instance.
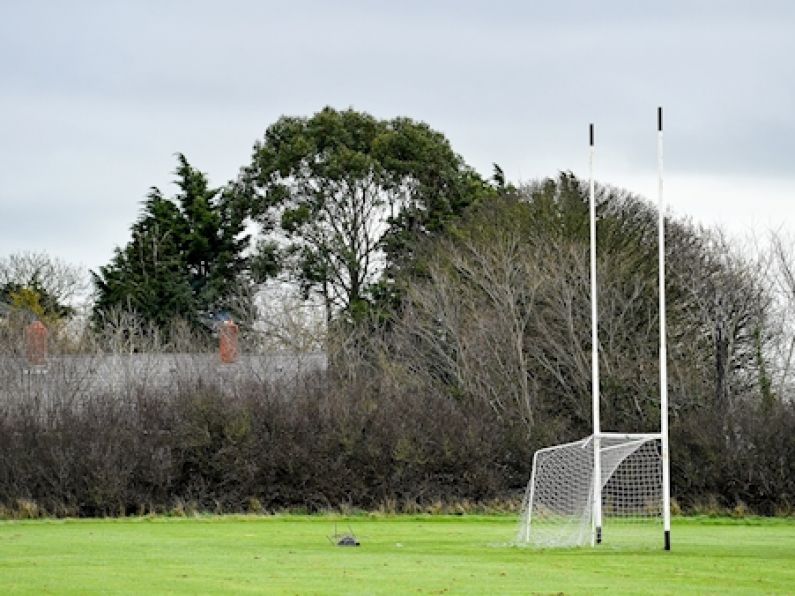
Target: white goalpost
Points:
(666, 471)
(610, 486)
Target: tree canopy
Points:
(184, 260)
(344, 197)
(503, 312)
(41, 285)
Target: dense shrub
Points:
(316, 443)
(743, 458)
(311, 444)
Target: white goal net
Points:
(558, 508)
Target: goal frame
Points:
(598, 435)
(663, 349)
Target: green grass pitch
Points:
(401, 554)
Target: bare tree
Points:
(726, 298)
(63, 282)
(285, 321)
(782, 282)
(466, 328)
(502, 313)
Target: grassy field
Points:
(440, 554)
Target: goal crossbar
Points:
(628, 436)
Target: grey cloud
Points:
(98, 96)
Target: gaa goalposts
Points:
(610, 486)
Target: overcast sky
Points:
(96, 97)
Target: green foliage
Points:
(264, 263)
(35, 300)
(184, 259)
(39, 285)
(349, 194)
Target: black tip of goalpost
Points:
(590, 133)
(667, 539)
(659, 119)
(598, 535)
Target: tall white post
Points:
(663, 343)
(597, 460)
